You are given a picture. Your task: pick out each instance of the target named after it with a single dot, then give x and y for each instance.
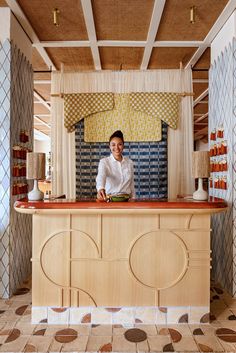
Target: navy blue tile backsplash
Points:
(150, 165)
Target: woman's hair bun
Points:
(117, 133)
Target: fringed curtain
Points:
(180, 141)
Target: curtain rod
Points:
(182, 94)
(42, 71)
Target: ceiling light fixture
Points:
(192, 14)
(55, 17)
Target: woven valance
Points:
(135, 125)
(139, 114)
(79, 105)
(163, 105)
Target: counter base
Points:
(137, 262)
(120, 315)
(121, 260)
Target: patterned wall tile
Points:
(234, 166)
(5, 79)
(21, 118)
(222, 113)
(16, 113)
(150, 165)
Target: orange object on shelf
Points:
(216, 183)
(210, 182)
(224, 183)
(24, 136)
(224, 147)
(220, 132)
(211, 166)
(213, 135)
(215, 150)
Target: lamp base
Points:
(200, 194)
(35, 194)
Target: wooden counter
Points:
(143, 253)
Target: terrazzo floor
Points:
(17, 334)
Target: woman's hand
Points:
(101, 195)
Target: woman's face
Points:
(116, 147)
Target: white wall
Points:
(42, 146)
(224, 37)
(5, 14)
(19, 38)
(10, 29)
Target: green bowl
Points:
(119, 198)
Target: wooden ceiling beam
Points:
(63, 44)
(42, 82)
(24, 23)
(196, 56)
(90, 25)
(200, 80)
(179, 43)
(202, 137)
(42, 115)
(41, 121)
(116, 43)
(39, 135)
(203, 131)
(42, 100)
(122, 43)
(154, 24)
(225, 14)
(202, 117)
(38, 102)
(201, 97)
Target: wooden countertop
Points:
(181, 203)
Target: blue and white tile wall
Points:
(150, 165)
(222, 104)
(16, 113)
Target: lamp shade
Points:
(201, 164)
(35, 162)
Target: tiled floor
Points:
(17, 334)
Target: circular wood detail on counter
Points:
(164, 253)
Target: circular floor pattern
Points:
(226, 334)
(66, 335)
(231, 317)
(135, 335)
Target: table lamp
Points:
(35, 163)
(200, 169)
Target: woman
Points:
(115, 173)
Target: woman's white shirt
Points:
(116, 176)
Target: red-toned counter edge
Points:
(181, 203)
